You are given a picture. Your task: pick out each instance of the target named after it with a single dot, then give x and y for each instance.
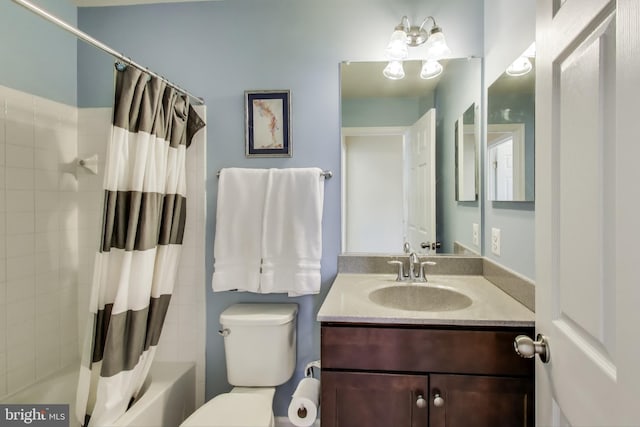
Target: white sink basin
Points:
(420, 297)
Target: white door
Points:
(501, 174)
(373, 168)
(421, 221)
(587, 212)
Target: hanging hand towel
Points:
(236, 249)
(292, 231)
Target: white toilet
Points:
(260, 350)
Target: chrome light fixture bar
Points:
(405, 36)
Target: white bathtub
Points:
(168, 398)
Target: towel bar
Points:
(326, 173)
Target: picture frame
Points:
(267, 123)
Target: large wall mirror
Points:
(398, 156)
(511, 132)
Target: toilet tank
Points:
(259, 343)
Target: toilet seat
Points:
(233, 410)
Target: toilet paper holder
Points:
(308, 370)
(305, 400)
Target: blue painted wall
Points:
(37, 57)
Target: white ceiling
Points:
(99, 3)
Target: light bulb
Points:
(436, 45)
(394, 70)
(519, 67)
(397, 49)
(430, 69)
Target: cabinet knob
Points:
(421, 402)
(438, 401)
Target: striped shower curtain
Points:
(142, 229)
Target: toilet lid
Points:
(232, 410)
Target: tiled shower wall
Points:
(183, 335)
(50, 214)
(38, 238)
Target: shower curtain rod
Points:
(90, 40)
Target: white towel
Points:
(237, 246)
(292, 231)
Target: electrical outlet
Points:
(476, 234)
(495, 241)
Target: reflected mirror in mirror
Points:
(511, 132)
(398, 151)
(466, 156)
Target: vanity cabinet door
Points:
(355, 399)
(480, 401)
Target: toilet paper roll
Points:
(303, 409)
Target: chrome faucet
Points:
(413, 262)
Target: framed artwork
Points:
(267, 123)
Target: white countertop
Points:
(348, 301)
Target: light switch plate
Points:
(495, 241)
(476, 234)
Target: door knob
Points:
(431, 245)
(526, 347)
(438, 401)
(420, 402)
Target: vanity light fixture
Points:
(405, 36)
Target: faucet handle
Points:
(423, 273)
(400, 265)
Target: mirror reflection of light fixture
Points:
(394, 70)
(404, 36)
(522, 65)
(519, 67)
(430, 69)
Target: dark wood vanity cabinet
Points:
(396, 376)
(470, 400)
(359, 399)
